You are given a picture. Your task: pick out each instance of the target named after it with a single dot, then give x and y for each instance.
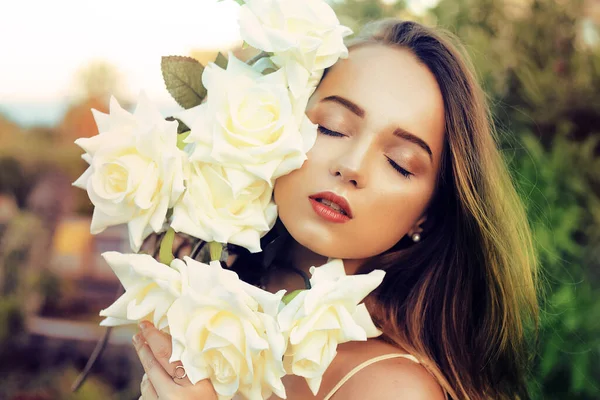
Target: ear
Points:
(418, 226)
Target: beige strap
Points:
(365, 365)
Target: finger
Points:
(147, 390)
(185, 249)
(161, 381)
(182, 245)
(149, 244)
(204, 390)
(161, 347)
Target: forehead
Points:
(393, 87)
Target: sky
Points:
(44, 43)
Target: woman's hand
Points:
(154, 350)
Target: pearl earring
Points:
(415, 237)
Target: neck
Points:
(302, 258)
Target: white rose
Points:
(307, 31)
(135, 171)
(250, 121)
(317, 320)
(225, 205)
(225, 330)
(150, 289)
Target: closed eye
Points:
(398, 168)
(394, 165)
(329, 132)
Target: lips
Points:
(333, 201)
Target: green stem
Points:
(215, 249)
(165, 254)
(291, 296)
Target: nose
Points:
(351, 166)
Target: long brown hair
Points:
(463, 298)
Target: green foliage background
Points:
(541, 70)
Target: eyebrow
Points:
(356, 109)
(401, 133)
(398, 132)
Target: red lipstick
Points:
(331, 207)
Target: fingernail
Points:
(144, 325)
(136, 339)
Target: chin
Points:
(323, 249)
(322, 241)
(315, 238)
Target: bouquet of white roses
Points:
(209, 174)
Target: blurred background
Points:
(539, 62)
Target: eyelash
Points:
(398, 168)
(329, 132)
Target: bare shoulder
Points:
(395, 378)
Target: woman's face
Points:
(381, 132)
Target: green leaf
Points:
(264, 63)
(183, 79)
(579, 377)
(221, 61)
(181, 128)
(291, 296)
(180, 139)
(260, 56)
(165, 254)
(550, 358)
(269, 71)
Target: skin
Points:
(394, 91)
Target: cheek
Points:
(279, 189)
(391, 215)
(323, 151)
(386, 217)
(288, 190)
(290, 187)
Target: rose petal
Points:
(363, 319)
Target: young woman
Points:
(405, 176)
